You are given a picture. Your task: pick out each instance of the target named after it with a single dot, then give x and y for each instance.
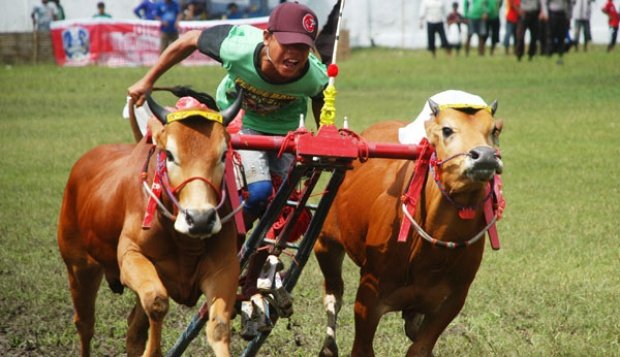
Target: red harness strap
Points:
(497, 204)
(492, 207)
(233, 195)
(410, 199)
(156, 188)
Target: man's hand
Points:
(138, 91)
(173, 54)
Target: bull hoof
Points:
(281, 301)
(116, 286)
(249, 330)
(254, 320)
(330, 348)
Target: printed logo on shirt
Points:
(261, 101)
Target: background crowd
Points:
(168, 12)
(183, 10)
(531, 27)
(553, 26)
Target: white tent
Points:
(389, 23)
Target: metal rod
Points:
(292, 219)
(337, 32)
(374, 149)
(295, 204)
(270, 215)
(304, 251)
(306, 245)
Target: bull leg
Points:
(84, 281)
(330, 256)
(434, 324)
(413, 321)
(367, 316)
(220, 289)
(137, 331)
(139, 274)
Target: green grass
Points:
(552, 290)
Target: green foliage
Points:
(551, 291)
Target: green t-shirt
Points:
(270, 108)
(474, 9)
(494, 6)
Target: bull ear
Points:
(497, 129)
(493, 107)
(160, 112)
(155, 126)
(230, 113)
(434, 107)
(429, 126)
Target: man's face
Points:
(289, 60)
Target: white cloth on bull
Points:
(414, 132)
(142, 114)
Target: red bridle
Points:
(161, 180)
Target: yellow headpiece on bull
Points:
(192, 113)
(224, 117)
(435, 108)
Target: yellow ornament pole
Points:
(328, 111)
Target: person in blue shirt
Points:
(233, 11)
(147, 10)
(168, 12)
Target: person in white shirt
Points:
(582, 10)
(42, 15)
(434, 12)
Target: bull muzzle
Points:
(200, 223)
(482, 163)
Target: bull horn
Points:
(160, 112)
(493, 107)
(231, 112)
(133, 122)
(434, 106)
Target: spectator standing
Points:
(613, 20)
(193, 13)
(146, 10)
(168, 13)
(512, 18)
(434, 12)
(530, 15)
(233, 12)
(101, 14)
(43, 14)
(61, 11)
(558, 14)
(476, 13)
(455, 30)
(493, 23)
(582, 10)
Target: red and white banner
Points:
(123, 43)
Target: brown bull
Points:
(100, 231)
(426, 281)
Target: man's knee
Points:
(259, 192)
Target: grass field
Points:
(552, 290)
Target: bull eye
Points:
(169, 156)
(447, 131)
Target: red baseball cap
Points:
(293, 23)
